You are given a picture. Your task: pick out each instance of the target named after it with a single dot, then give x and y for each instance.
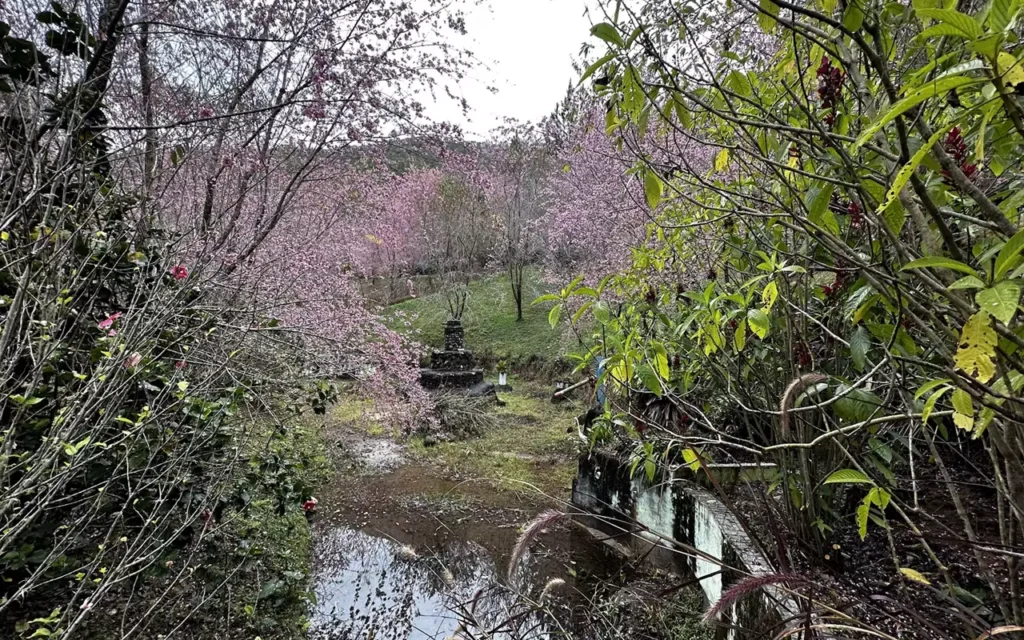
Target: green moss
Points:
(528, 448)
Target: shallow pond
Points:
(407, 555)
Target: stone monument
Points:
(453, 367)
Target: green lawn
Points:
(490, 321)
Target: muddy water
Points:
(404, 554)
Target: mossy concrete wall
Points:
(683, 528)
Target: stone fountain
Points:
(453, 367)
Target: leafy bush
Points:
(125, 376)
(860, 325)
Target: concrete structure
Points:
(683, 528)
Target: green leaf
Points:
(603, 60)
(848, 476)
(914, 575)
(963, 408)
(927, 92)
(860, 343)
(759, 322)
(853, 17)
(767, 15)
(1010, 250)
(967, 282)
(601, 312)
(963, 23)
(1001, 14)
(739, 83)
(739, 338)
(722, 160)
(863, 511)
(691, 459)
(177, 155)
(938, 30)
(652, 188)
(579, 312)
(939, 262)
(650, 380)
(769, 295)
(661, 360)
(928, 386)
(908, 170)
(554, 315)
(855, 405)
(547, 297)
(975, 353)
(929, 405)
(608, 33)
(816, 201)
(1000, 300)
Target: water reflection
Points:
(373, 587)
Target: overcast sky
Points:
(526, 48)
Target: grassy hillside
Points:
(490, 320)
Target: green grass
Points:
(492, 331)
(528, 446)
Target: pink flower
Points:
(309, 505)
(109, 322)
(133, 360)
(180, 364)
(179, 272)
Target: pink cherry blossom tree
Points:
(518, 198)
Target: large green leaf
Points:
(965, 24)
(976, 351)
(853, 17)
(554, 315)
(963, 410)
(856, 405)
(1000, 300)
(759, 322)
(816, 201)
(1010, 250)
(1001, 13)
(652, 188)
(860, 343)
(848, 476)
(939, 262)
(927, 92)
(766, 17)
(608, 33)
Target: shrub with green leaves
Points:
(861, 327)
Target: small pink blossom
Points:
(179, 272)
(133, 360)
(309, 505)
(109, 321)
(180, 364)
